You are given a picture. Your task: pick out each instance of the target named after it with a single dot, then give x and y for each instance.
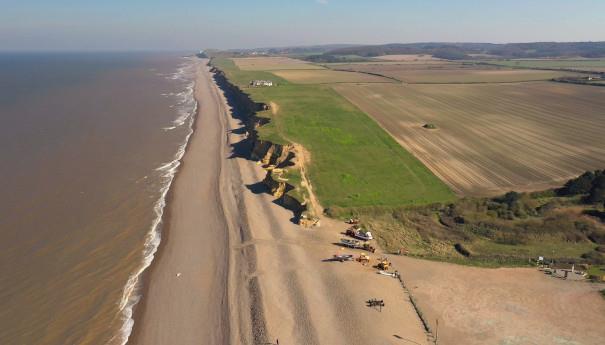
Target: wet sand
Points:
(248, 274)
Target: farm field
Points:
(353, 162)
(493, 138)
(327, 76)
(597, 65)
(408, 57)
(505, 305)
(443, 73)
(272, 63)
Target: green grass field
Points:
(597, 270)
(353, 161)
(533, 249)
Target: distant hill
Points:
(457, 51)
(293, 50)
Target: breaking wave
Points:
(185, 108)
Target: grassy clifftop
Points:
(353, 162)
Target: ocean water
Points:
(89, 144)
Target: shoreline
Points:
(177, 227)
(138, 281)
(145, 277)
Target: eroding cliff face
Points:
(280, 156)
(276, 159)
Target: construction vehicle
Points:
(383, 264)
(363, 258)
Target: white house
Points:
(261, 83)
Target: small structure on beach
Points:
(566, 271)
(260, 83)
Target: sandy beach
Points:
(185, 301)
(505, 305)
(233, 269)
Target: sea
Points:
(89, 146)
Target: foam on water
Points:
(186, 108)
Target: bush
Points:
(579, 185)
(548, 207)
(462, 250)
(509, 198)
(597, 191)
(594, 257)
(597, 237)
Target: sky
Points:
(86, 25)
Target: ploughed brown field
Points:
(443, 72)
(327, 76)
(493, 138)
(269, 63)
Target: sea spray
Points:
(186, 108)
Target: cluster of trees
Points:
(329, 58)
(439, 50)
(591, 184)
(457, 51)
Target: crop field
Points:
(493, 138)
(327, 76)
(444, 72)
(597, 65)
(353, 162)
(272, 64)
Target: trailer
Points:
(360, 234)
(343, 257)
(356, 244)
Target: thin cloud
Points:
(322, 2)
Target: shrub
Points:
(579, 185)
(594, 257)
(597, 236)
(462, 250)
(597, 191)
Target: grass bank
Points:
(353, 162)
(493, 232)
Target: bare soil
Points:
(504, 306)
(328, 76)
(272, 63)
(493, 138)
(444, 72)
